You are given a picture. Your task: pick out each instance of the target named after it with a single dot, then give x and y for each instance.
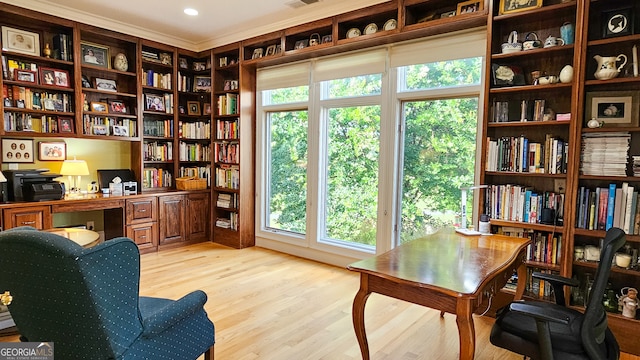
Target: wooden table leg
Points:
(466, 331)
(358, 316)
(522, 277)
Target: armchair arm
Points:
(543, 314)
(557, 282)
(172, 312)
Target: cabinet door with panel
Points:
(38, 217)
(198, 216)
(171, 219)
(145, 235)
(142, 226)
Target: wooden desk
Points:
(444, 271)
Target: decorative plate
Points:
(390, 24)
(371, 29)
(353, 32)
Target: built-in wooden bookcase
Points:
(367, 23)
(262, 47)
(313, 36)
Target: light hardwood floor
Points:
(269, 305)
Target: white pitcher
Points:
(607, 66)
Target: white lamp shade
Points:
(74, 167)
(2, 178)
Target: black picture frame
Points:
(617, 22)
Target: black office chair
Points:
(546, 331)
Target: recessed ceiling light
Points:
(190, 11)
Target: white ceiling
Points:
(219, 21)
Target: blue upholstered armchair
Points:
(86, 301)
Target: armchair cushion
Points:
(159, 314)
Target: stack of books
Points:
(605, 154)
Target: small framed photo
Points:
(617, 22)
(199, 66)
(471, 6)
(95, 54)
(207, 109)
(99, 107)
(222, 61)
(25, 75)
(99, 129)
(65, 125)
(166, 59)
(54, 77)
(327, 39)
(301, 44)
(183, 63)
(271, 50)
(181, 109)
(52, 151)
(234, 84)
(119, 130)
(257, 53)
(202, 83)
(106, 85)
(512, 6)
(227, 85)
(448, 14)
(117, 107)
(154, 103)
(20, 41)
(613, 108)
(17, 151)
(193, 108)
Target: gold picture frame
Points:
(471, 6)
(514, 6)
(193, 108)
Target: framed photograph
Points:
(154, 103)
(119, 130)
(327, 39)
(95, 54)
(613, 108)
(117, 107)
(54, 77)
(20, 41)
(271, 50)
(207, 109)
(25, 75)
(202, 83)
(106, 84)
(183, 63)
(193, 108)
(234, 84)
(222, 61)
(471, 6)
(85, 81)
(52, 151)
(301, 44)
(448, 14)
(257, 53)
(199, 66)
(17, 151)
(166, 59)
(617, 22)
(65, 125)
(99, 129)
(181, 109)
(227, 85)
(512, 6)
(99, 107)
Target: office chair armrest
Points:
(174, 311)
(557, 283)
(540, 311)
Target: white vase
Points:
(566, 74)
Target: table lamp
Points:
(463, 208)
(73, 168)
(4, 196)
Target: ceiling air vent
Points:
(300, 3)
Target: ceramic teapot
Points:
(607, 66)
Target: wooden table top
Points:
(452, 263)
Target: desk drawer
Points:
(38, 217)
(144, 235)
(141, 210)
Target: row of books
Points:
(545, 246)
(104, 125)
(228, 176)
(227, 153)
(9, 65)
(156, 178)
(605, 154)
(228, 223)
(193, 152)
(161, 128)
(228, 104)
(518, 154)
(227, 201)
(227, 129)
(525, 110)
(194, 130)
(536, 287)
(203, 172)
(605, 207)
(63, 44)
(522, 203)
(26, 122)
(158, 151)
(158, 80)
(26, 98)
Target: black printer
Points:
(33, 185)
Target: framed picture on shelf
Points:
(257, 53)
(202, 83)
(165, 59)
(20, 41)
(99, 107)
(95, 54)
(54, 77)
(617, 22)
(222, 62)
(65, 125)
(106, 85)
(301, 44)
(271, 50)
(207, 109)
(154, 102)
(468, 7)
(119, 130)
(117, 107)
(52, 151)
(193, 108)
(17, 151)
(613, 108)
(99, 129)
(512, 6)
(183, 63)
(448, 14)
(199, 66)
(25, 75)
